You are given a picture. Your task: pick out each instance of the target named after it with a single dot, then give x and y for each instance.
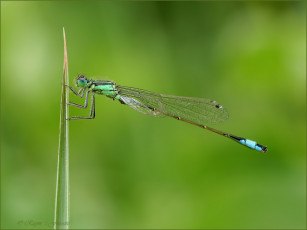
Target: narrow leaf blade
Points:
(61, 219)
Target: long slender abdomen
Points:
(243, 141)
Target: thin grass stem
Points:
(61, 218)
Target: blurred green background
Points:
(128, 170)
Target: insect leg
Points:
(92, 113)
(77, 92)
(85, 103)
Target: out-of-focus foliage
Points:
(128, 170)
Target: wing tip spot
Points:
(218, 106)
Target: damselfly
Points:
(195, 111)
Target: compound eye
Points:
(81, 81)
(82, 78)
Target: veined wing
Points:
(140, 107)
(197, 110)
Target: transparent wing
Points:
(198, 110)
(138, 106)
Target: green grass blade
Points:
(61, 219)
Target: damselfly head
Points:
(81, 81)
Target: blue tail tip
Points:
(264, 149)
(253, 145)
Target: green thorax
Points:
(107, 88)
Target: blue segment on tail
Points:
(251, 144)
